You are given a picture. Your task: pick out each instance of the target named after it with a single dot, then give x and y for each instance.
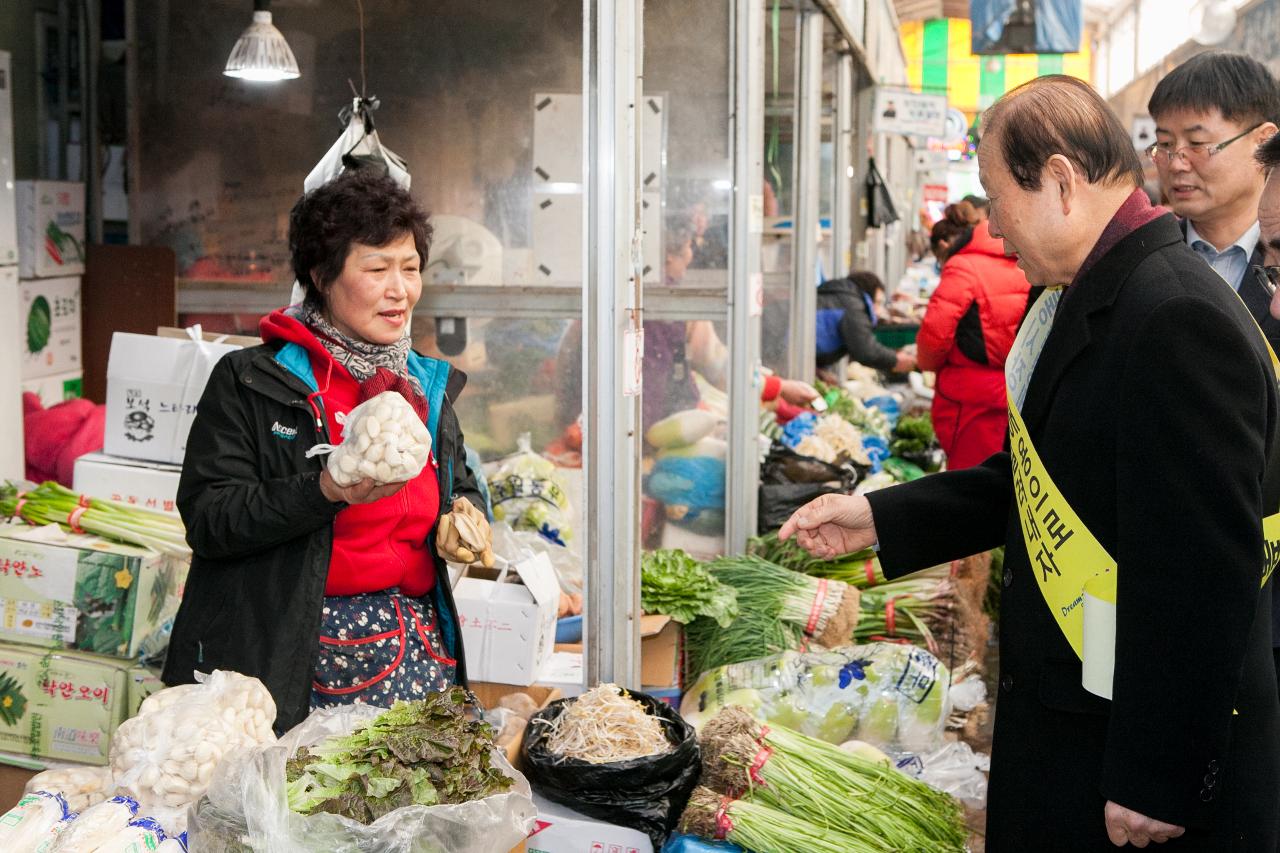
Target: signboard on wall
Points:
(906, 112)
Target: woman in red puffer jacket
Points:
(966, 336)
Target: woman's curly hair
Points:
(358, 206)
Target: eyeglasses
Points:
(1272, 275)
(1163, 152)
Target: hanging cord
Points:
(363, 86)
(362, 97)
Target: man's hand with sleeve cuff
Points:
(831, 526)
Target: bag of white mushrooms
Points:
(383, 440)
(165, 756)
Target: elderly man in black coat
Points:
(1149, 407)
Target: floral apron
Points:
(378, 648)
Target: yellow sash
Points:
(1076, 575)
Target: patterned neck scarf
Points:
(361, 359)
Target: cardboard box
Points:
(559, 829)
(12, 464)
(508, 629)
(143, 681)
(60, 704)
(8, 195)
(83, 592)
(51, 390)
(152, 485)
(153, 386)
(661, 649)
(50, 228)
(49, 313)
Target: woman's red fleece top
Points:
(379, 545)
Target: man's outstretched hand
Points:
(831, 526)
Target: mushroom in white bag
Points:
(166, 755)
(383, 440)
(96, 825)
(35, 822)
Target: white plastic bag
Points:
(383, 440)
(954, 769)
(246, 807)
(81, 787)
(38, 818)
(96, 825)
(166, 755)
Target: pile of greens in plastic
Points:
(913, 435)
(674, 584)
(418, 753)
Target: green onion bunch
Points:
(778, 610)
(758, 827)
(52, 503)
(869, 803)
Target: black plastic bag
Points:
(779, 500)
(784, 465)
(646, 794)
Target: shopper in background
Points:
(848, 312)
(980, 204)
(1212, 114)
(953, 230)
(965, 337)
(1153, 409)
(329, 595)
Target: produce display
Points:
(166, 755)
(51, 503)
(778, 609)
(873, 804)
(758, 827)
(605, 725)
(674, 584)
(528, 493)
(892, 696)
(418, 753)
(35, 823)
(383, 440)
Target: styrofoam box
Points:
(49, 312)
(50, 228)
(153, 485)
(559, 829)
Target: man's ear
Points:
(1059, 172)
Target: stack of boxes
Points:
(50, 264)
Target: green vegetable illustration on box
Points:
(13, 704)
(61, 246)
(104, 584)
(39, 324)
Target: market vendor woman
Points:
(328, 594)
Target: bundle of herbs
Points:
(418, 753)
(757, 827)
(52, 503)
(867, 802)
(778, 609)
(674, 584)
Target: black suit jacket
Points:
(1154, 407)
(1256, 296)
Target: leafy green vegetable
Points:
(674, 584)
(913, 435)
(418, 753)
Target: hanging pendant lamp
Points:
(261, 53)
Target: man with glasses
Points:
(1211, 113)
